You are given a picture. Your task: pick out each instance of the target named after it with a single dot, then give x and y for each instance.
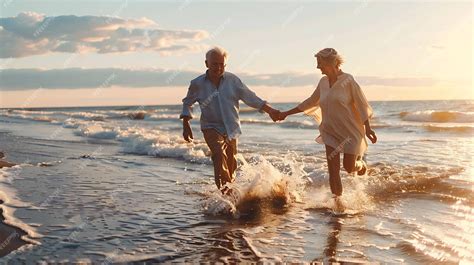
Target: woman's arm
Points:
(369, 132)
(292, 111)
(309, 103)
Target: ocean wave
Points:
(383, 126)
(162, 144)
(72, 123)
(30, 112)
(87, 116)
(148, 142)
(437, 116)
(137, 114)
(454, 129)
(382, 182)
(133, 115)
(76, 119)
(161, 117)
(306, 124)
(262, 179)
(9, 202)
(98, 131)
(63, 116)
(248, 110)
(42, 118)
(383, 179)
(45, 119)
(50, 116)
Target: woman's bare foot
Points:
(360, 166)
(363, 169)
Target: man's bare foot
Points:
(363, 170)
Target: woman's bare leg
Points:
(351, 164)
(334, 165)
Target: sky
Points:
(99, 53)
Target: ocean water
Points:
(119, 184)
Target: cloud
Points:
(72, 78)
(31, 33)
(21, 79)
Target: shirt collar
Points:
(222, 77)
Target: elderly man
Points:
(218, 93)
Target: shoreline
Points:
(4, 163)
(10, 236)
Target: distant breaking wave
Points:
(437, 116)
(455, 129)
(428, 120)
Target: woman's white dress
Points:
(341, 111)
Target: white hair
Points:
(216, 50)
(331, 56)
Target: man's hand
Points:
(371, 135)
(187, 132)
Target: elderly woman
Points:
(342, 110)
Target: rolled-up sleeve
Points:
(361, 106)
(188, 101)
(249, 97)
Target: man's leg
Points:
(217, 144)
(231, 152)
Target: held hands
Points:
(282, 115)
(277, 115)
(274, 114)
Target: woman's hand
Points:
(371, 135)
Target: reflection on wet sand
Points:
(330, 250)
(234, 241)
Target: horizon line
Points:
(150, 105)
